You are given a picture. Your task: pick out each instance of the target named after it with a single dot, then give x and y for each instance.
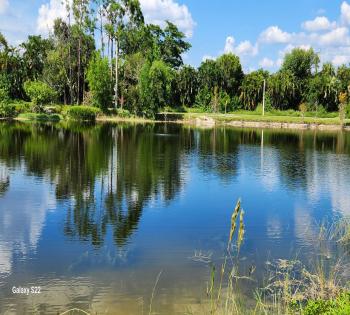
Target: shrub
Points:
(347, 111)
(339, 306)
(39, 93)
(4, 96)
(203, 99)
(83, 113)
(22, 107)
(7, 110)
(100, 82)
(124, 113)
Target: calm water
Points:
(92, 214)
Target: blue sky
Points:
(260, 32)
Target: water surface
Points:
(92, 214)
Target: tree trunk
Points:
(116, 73)
(102, 39)
(79, 71)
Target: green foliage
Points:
(230, 73)
(187, 85)
(172, 45)
(339, 306)
(282, 89)
(123, 113)
(129, 84)
(208, 75)
(82, 113)
(35, 51)
(154, 87)
(100, 82)
(40, 93)
(40, 117)
(252, 89)
(301, 63)
(7, 110)
(4, 96)
(203, 99)
(323, 89)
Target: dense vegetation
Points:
(139, 68)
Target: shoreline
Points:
(206, 121)
(203, 120)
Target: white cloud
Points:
(207, 57)
(48, 13)
(320, 23)
(338, 36)
(158, 11)
(246, 48)
(339, 60)
(266, 63)
(290, 47)
(345, 12)
(274, 34)
(229, 45)
(4, 5)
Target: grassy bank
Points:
(242, 118)
(253, 117)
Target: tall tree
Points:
(35, 51)
(251, 90)
(83, 23)
(119, 14)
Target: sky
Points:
(260, 32)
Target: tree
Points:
(119, 14)
(251, 90)
(100, 83)
(343, 75)
(172, 45)
(187, 85)
(40, 93)
(154, 86)
(130, 78)
(301, 63)
(35, 51)
(208, 75)
(12, 70)
(282, 87)
(323, 89)
(230, 73)
(81, 12)
(71, 55)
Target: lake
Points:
(100, 216)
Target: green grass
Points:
(279, 118)
(39, 117)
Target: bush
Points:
(39, 93)
(7, 111)
(347, 111)
(4, 96)
(203, 99)
(40, 117)
(22, 107)
(83, 113)
(339, 306)
(123, 113)
(55, 109)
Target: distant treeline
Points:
(139, 67)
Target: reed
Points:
(290, 287)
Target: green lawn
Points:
(251, 116)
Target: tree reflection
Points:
(105, 175)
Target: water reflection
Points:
(134, 199)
